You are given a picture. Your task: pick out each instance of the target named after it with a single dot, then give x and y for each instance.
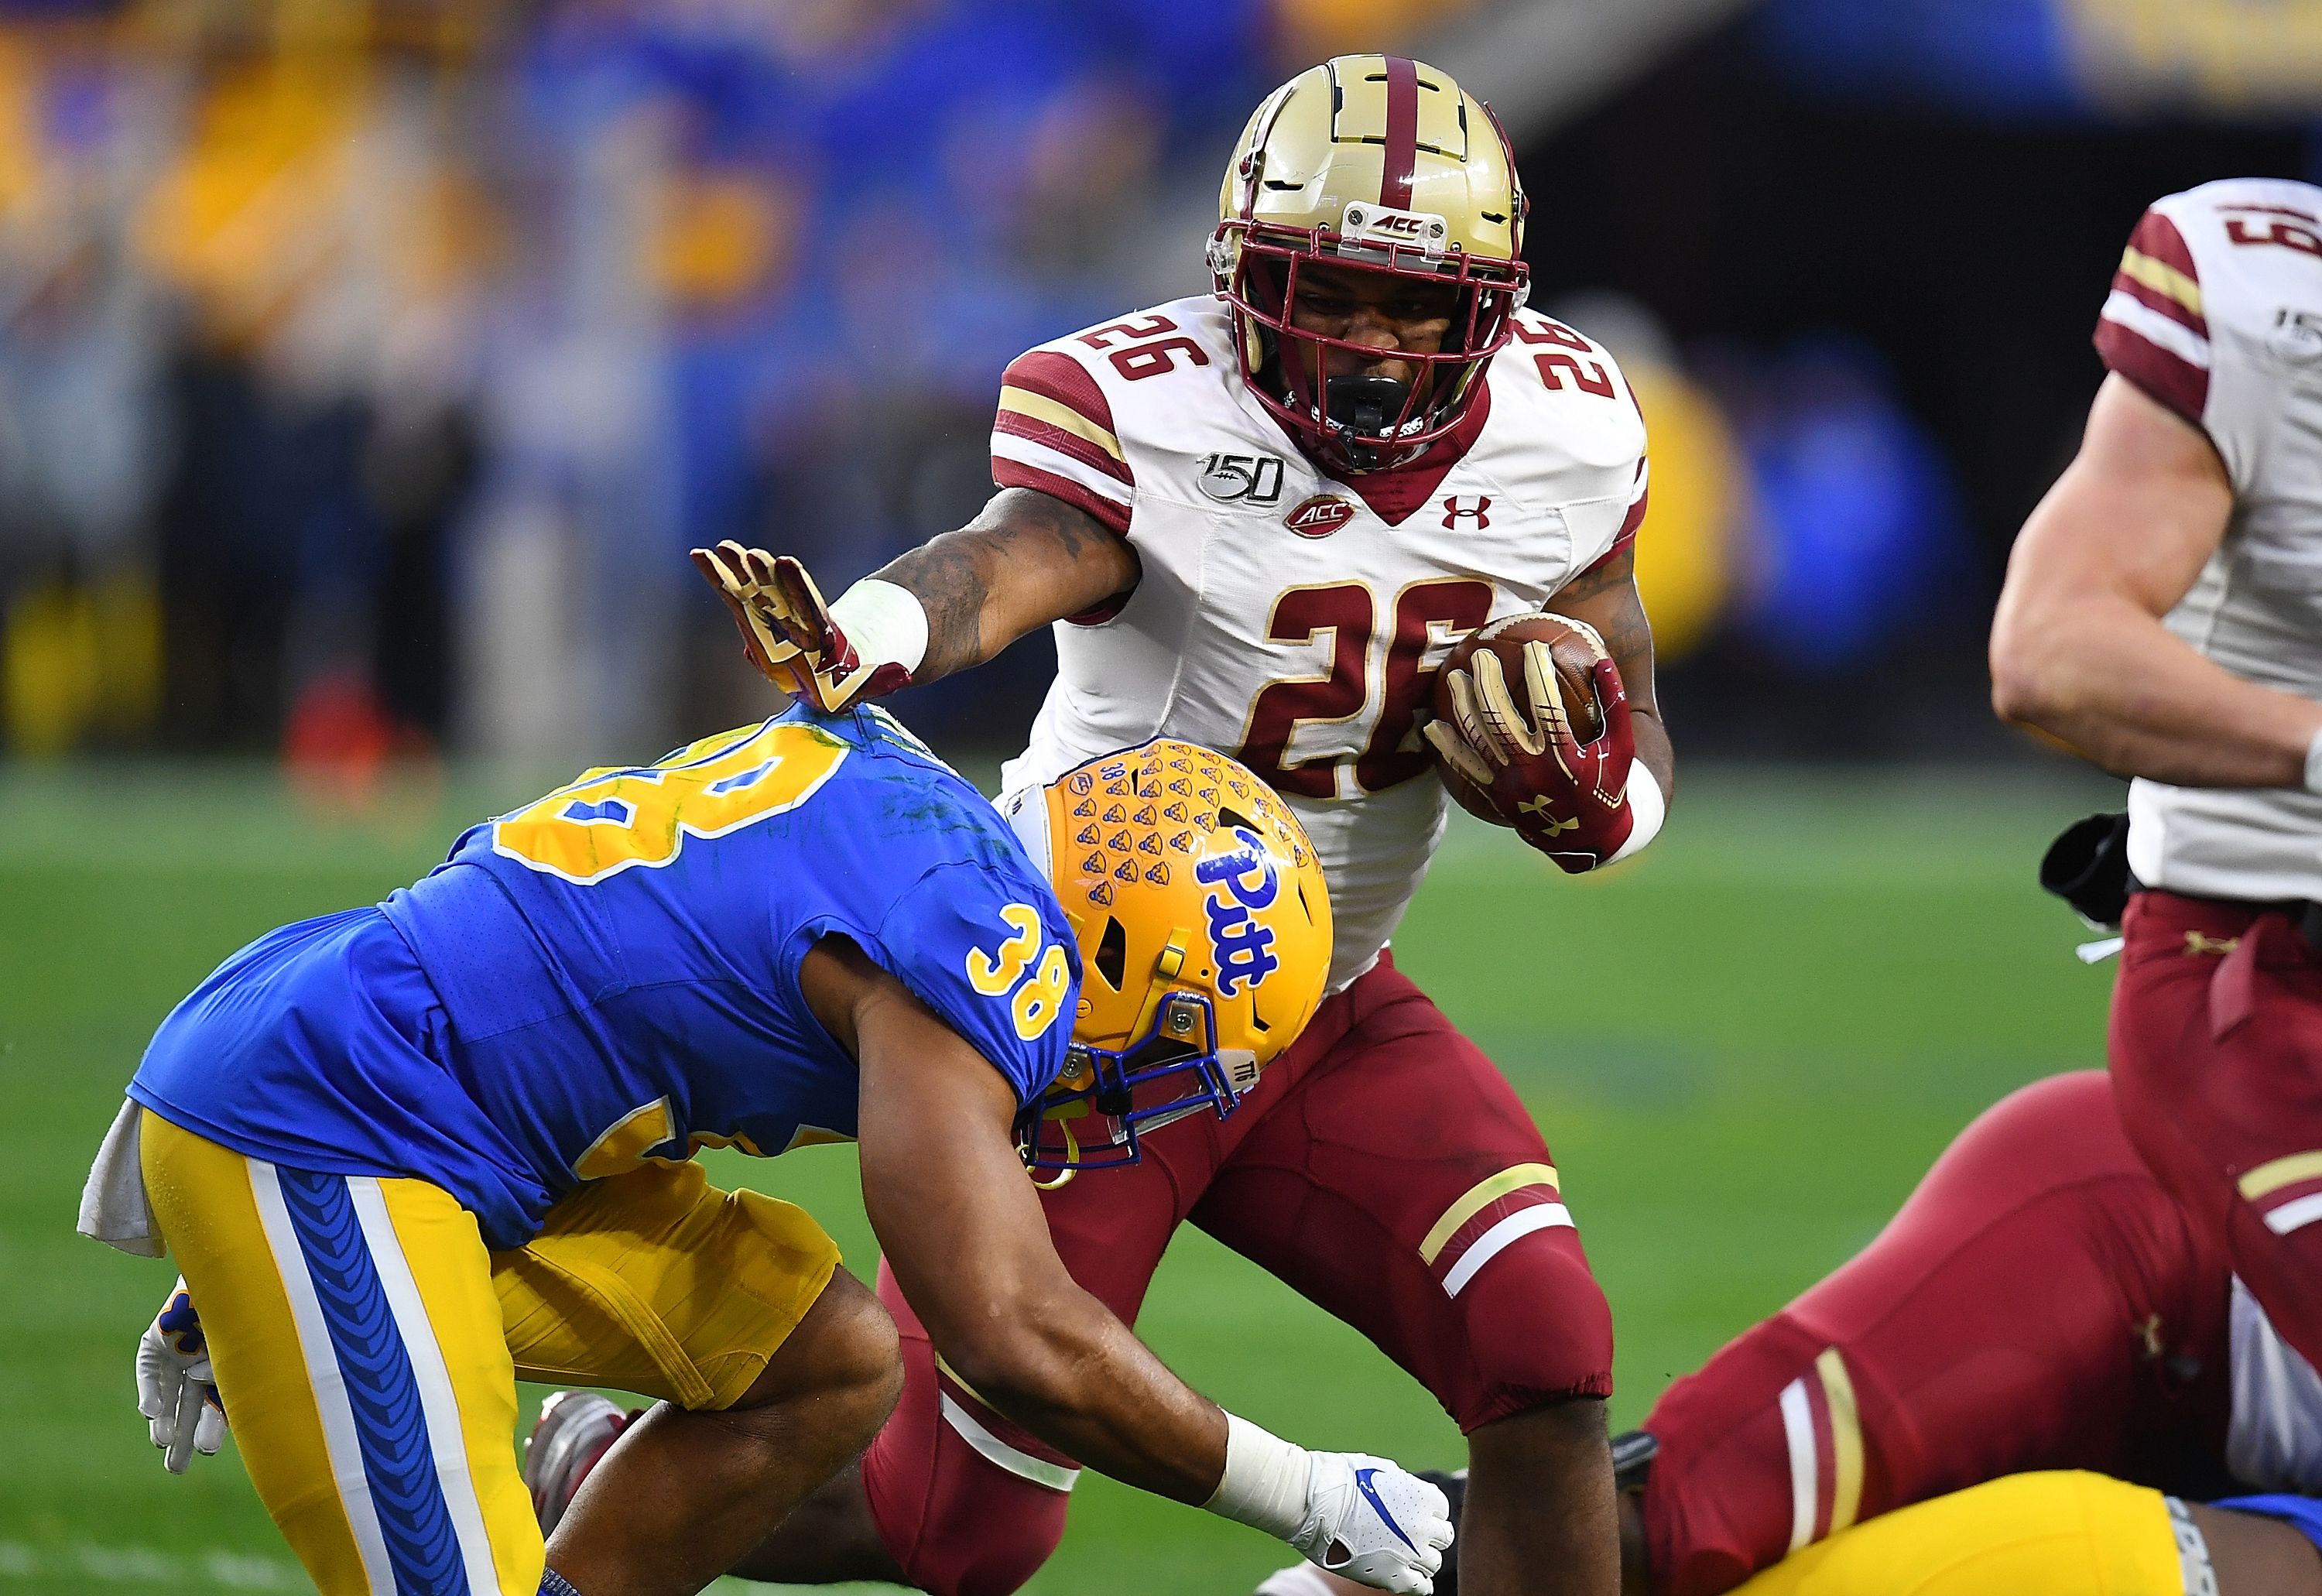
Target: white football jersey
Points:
(2216, 313)
(1294, 621)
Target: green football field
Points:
(1743, 1048)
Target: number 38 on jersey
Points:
(619, 818)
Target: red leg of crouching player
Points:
(2038, 1303)
(1384, 1168)
(2216, 1065)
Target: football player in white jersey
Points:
(1260, 518)
(2164, 615)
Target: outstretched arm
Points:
(2078, 647)
(1025, 561)
(1029, 560)
(964, 1231)
(962, 1228)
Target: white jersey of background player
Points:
(2164, 615)
(2216, 313)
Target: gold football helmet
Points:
(1377, 164)
(1205, 934)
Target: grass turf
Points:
(1743, 1048)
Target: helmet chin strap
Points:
(1357, 409)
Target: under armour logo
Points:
(1475, 506)
(1540, 806)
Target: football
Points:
(1575, 650)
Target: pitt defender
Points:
(1257, 519)
(405, 1154)
(2163, 614)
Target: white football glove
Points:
(175, 1389)
(1369, 1521)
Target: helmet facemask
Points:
(1357, 422)
(1106, 1098)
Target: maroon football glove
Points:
(1568, 799)
(787, 630)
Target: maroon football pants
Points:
(1382, 1167)
(2217, 1065)
(2038, 1303)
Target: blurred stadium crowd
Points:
(366, 366)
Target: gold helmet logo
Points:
(1371, 164)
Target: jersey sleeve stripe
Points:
(1063, 379)
(2136, 343)
(1046, 471)
(2156, 238)
(2161, 287)
(1029, 452)
(1029, 415)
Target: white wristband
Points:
(2314, 764)
(1650, 807)
(1266, 1481)
(886, 624)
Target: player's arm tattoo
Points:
(1027, 561)
(1605, 597)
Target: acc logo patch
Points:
(1242, 945)
(1320, 515)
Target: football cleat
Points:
(576, 1429)
(1203, 926)
(1374, 164)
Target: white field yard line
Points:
(83, 1562)
(144, 1566)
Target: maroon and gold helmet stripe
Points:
(1401, 165)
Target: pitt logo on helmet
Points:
(1242, 946)
(1203, 926)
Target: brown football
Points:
(1575, 653)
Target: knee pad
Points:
(965, 1502)
(1538, 1329)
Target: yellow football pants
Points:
(2054, 1533)
(367, 1345)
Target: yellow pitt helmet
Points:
(1205, 934)
(1377, 164)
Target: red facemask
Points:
(1358, 424)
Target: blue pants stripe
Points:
(399, 1462)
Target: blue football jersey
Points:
(610, 974)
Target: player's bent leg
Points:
(2058, 1534)
(1401, 1187)
(357, 1344)
(1539, 1484)
(774, 1368)
(695, 1491)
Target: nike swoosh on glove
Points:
(175, 1388)
(1370, 1521)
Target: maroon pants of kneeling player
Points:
(2038, 1303)
(2216, 1064)
(1382, 1167)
